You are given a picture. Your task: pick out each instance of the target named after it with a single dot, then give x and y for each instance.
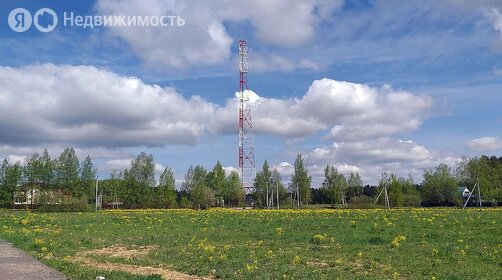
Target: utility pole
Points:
(96, 193)
(267, 196)
(298, 194)
(386, 196)
(277, 183)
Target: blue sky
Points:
(369, 86)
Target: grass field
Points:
(261, 244)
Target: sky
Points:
(367, 86)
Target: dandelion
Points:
(462, 253)
(38, 241)
(251, 267)
(435, 252)
(278, 231)
(360, 254)
(318, 239)
(396, 242)
(270, 254)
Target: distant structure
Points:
(247, 166)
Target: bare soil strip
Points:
(85, 258)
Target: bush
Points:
(59, 202)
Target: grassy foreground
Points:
(262, 244)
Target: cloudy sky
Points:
(369, 86)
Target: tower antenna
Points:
(247, 166)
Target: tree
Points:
(395, 190)
(67, 172)
(203, 196)
(143, 170)
(188, 184)
(487, 171)
(166, 191)
(13, 179)
(88, 179)
(334, 186)
(262, 184)
(300, 180)
(139, 181)
(354, 185)
(216, 181)
(234, 193)
(329, 185)
(113, 188)
(440, 186)
(7, 186)
(47, 170)
(277, 185)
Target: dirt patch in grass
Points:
(120, 251)
(317, 263)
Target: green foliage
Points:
(301, 180)
(262, 183)
(67, 172)
(334, 185)
(88, 179)
(202, 196)
(10, 178)
(60, 202)
(354, 186)
(485, 170)
(165, 193)
(234, 194)
(440, 187)
(112, 189)
(139, 181)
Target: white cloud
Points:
(82, 105)
(285, 169)
(485, 144)
(89, 108)
(229, 169)
(16, 158)
(353, 111)
(116, 164)
(372, 157)
(496, 19)
(204, 40)
(86, 106)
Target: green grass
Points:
(276, 244)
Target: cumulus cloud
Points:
(86, 106)
(372, 157)
(204, 38)
(485, 144)
(100, 112)
(90, 107)
(353, 111)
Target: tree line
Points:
(67, 181)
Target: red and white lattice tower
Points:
(247, 166)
